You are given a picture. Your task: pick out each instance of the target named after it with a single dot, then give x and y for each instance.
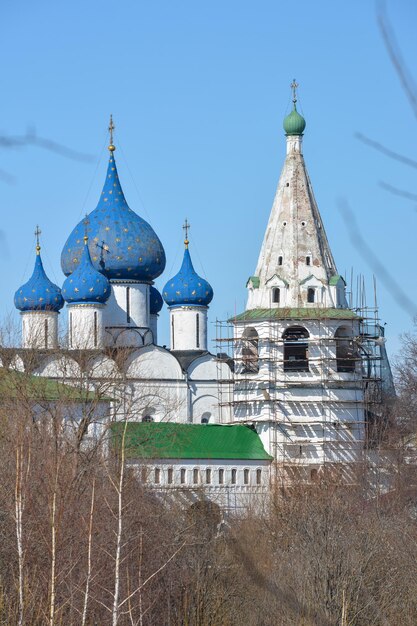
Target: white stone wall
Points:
(306, 417)
(127, 318)
(85, 326)
(39, 329)
(188, 326)
(234, 485)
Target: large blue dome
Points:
(39, 293)
(86, 285)
(156, 302)
(187, 287)
(122, 245)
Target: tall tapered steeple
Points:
(295, 266)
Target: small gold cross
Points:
(186, 228)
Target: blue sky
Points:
(198, 92)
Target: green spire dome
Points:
(294, 123)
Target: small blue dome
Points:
(187, 287)
(86, 285)
(156, 301)
(122, 245)
(39, 293)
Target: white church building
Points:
(285, 395)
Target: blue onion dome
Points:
(123, 246)
(86, 285)
(39, 293)
(156, 301)
(187, 287)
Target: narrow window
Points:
(95, 329)
(208, 476)
(195, 476)
(233, 477)
(346, 351)
(295, 349)
(197, 330)
(250, 356)
(276, 295)
(170, 475)
(280, 260)
(258, 476)
(301, 450)
(308, 259)
(314, 474)
(172, 333)
(143, 474)
(221, 476)
(128, 305)
(182, 476)
(46, 333)
(310, 294)
(246, 476)
(70, 329)
(157, 475)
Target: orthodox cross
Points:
(186, 228)
(104, 248)
(38, 232)
(111, 129)
(294, 86)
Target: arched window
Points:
(170, 475)
(208, 476)
(221, 476)
(182, 476)
(250, 355)
(308, 260)
(246, 476)
(276, 295)
(95, 329)
(311, 294)
(234, 476)
(157, 475)
(258, 476)
(205, 418)
(128, 305)
(46, 333)
(280, 260)
(295, 349)
(195, 475)
(197, 330)
(346, 353)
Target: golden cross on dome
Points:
(111, 129)
(186, 228)
(38, 232)
(294, 86)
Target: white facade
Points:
(85, 326)
(39, 330)
(188, 326)
(126, 316)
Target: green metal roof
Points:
(165, 440)
(18, 385)
(254, 280)
(335, 279)
(281, 313)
